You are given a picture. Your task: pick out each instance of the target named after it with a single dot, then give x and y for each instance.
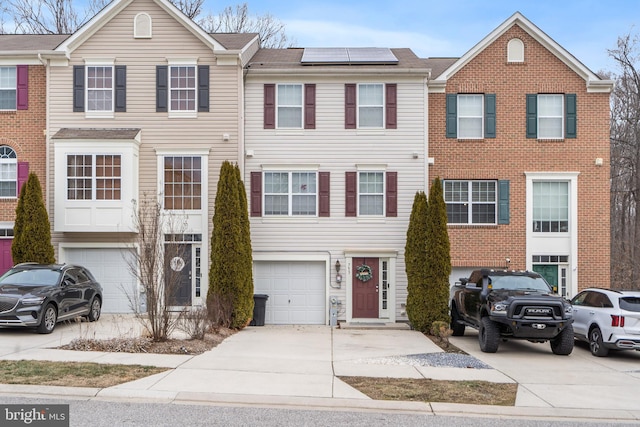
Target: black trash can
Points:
(259, 309)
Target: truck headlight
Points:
(499, 308)
(568, 310)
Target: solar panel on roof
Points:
(349, 55)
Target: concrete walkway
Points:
(289, 366)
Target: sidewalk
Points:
(298, 366)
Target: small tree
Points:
(230, 277)
(438, 259)
(156, 266)
(415, 254)
(32, 230)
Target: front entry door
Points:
(178, 273)
(365, 288)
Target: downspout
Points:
(46, 132)
(426, 133)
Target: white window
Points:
(182, 88)
(8, 173)
(100, 88)
(550, 116)
(370, 105)
(183, 182)
(8, 91)
(289, 106)
(470, 116)
(371, 193)
(94, 177)
(550, 207)
(470, 202)
(290, 193)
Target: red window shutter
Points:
(392, 194)
(391, 106)
(269, 106)
(22, 78)
(256, 193)
(324, 184)
(351, 192)
(23, 175)
(309, 106)
(350, 106)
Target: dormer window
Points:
(515, 51)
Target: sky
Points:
(450, 28)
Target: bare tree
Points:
(157, 267)
(625, 164)
(50, 16)
(191, 8)
(238, 20)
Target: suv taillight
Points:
(617, 321)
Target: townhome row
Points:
(333, 144)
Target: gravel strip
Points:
(449, 360)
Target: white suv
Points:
(607, 319)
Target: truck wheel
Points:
(456, 327)
(488, 336)
(563, 343)
(595, 343)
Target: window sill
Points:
(467, 140)
(475, 226)
(183, 115)
(373, 131)
(551, 140)
(99, 115)
(288, 219)
(10, 112)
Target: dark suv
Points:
(511, 304)
(37, 295)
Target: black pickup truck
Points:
(505, 304)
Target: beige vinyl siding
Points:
(171, 40)
(335, 149)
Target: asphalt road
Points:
(98, 413)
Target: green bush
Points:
(32, 230)
(230, 274)
(415, 254)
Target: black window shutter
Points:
(203, 88)
(78, 88)
(121, 88)
(571, 128)
(162, 88)
(503, 202)
(532, 116)
(490, 115)
(452, 115)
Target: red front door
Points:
(6, 262)
(365, 288)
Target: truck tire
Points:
(563, 343)
(488, 336)
(456, 327)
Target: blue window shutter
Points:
(78, 88)
(503, 202)
(203, 88)
(162, 88)
(571, 129)
(121, 88)
(452, 115)
(489, 115)
(532, 116)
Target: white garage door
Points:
(296, 291)
(109, 266)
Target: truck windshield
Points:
(524, 283)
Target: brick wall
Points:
(24, 132)
(510, 154)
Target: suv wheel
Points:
(595, 343)
(563, 343)
(94, 310)
(456, 327)
(488, 336)
(49, 319)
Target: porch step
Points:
(374, 325)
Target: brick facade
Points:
(511, 154)
(23, 131)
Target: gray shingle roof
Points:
(438, 65)
(290, 58)
(234, 41)
(30, 42)
(92, 133)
